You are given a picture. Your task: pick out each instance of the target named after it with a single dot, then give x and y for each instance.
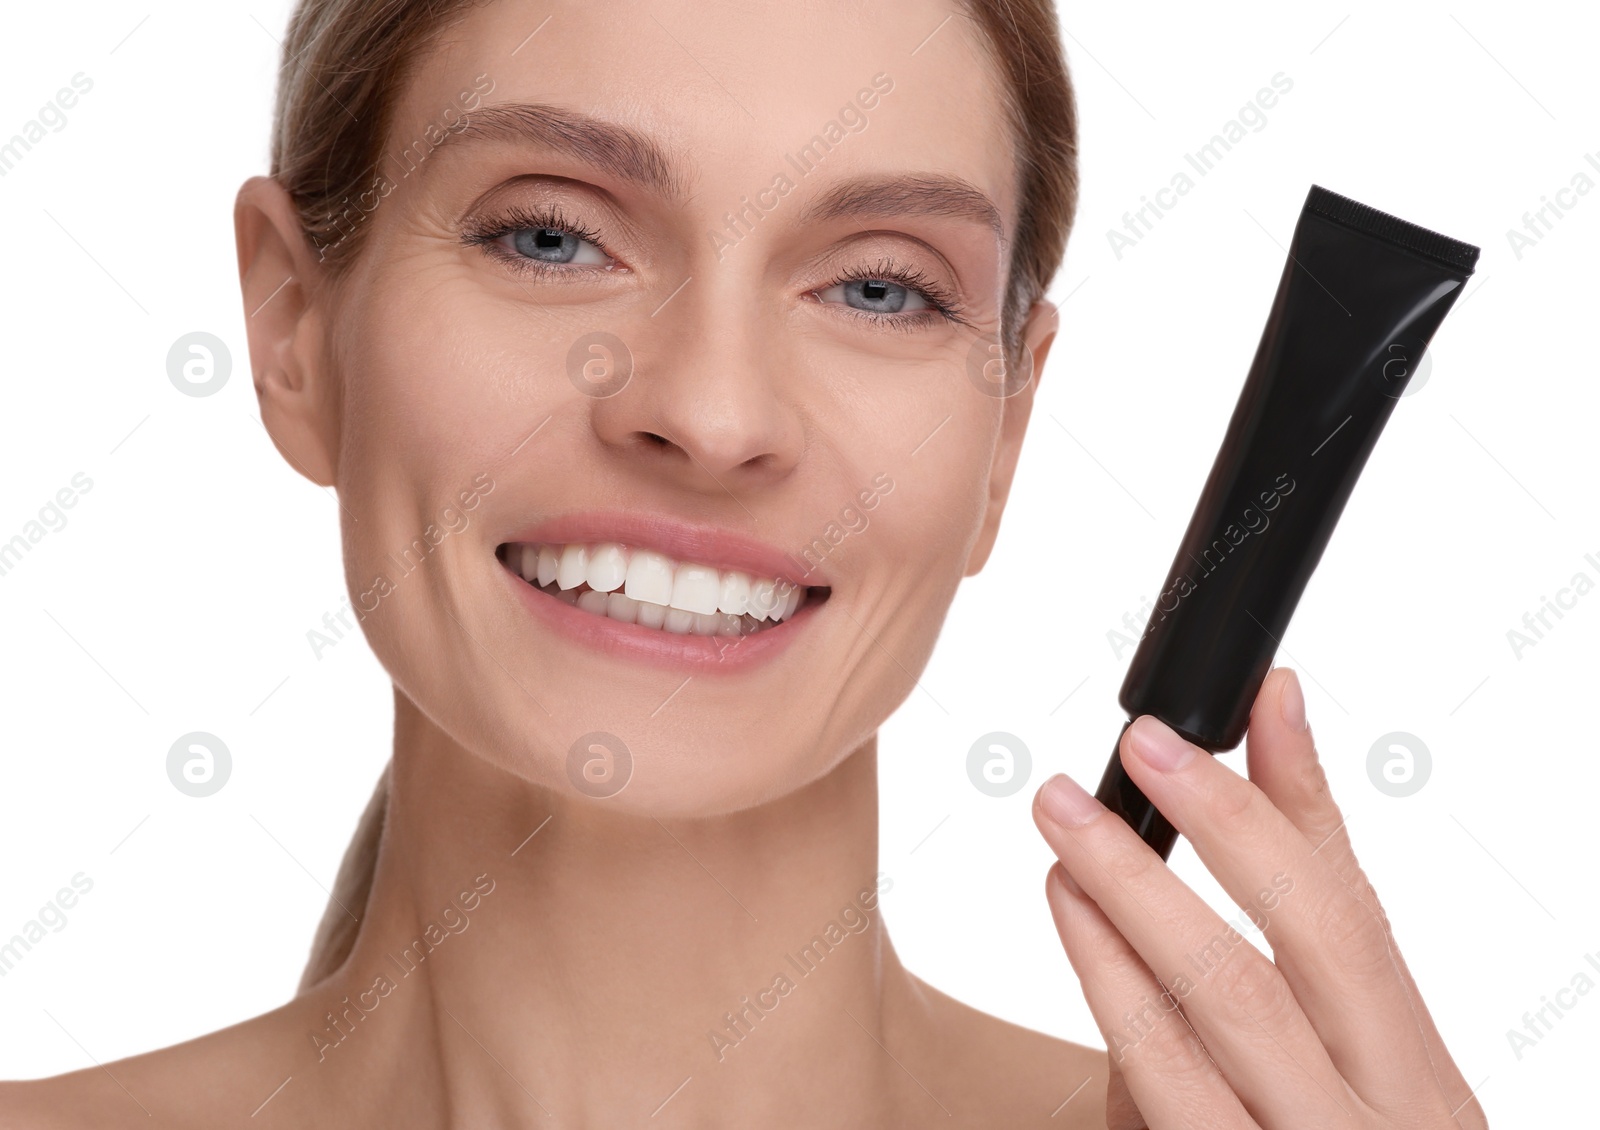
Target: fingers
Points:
(1281, 756)
(1232, 996)
(1122, 1113)
(1282, 759)
(1330, 947)
(1167, 1078)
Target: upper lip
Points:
(683, 541)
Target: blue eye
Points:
(876, 296)
(556, 245)
(893, 296)
(533, 239)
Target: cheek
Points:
(428, 406)
(913, 444)
(431, 368)
(939, 469)
(423, 422)
(929, 524)
(913, 553)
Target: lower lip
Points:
(653, 645)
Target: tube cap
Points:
(1118, 793)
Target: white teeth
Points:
(763, 599)
(549, 561)
(651, 615)
(640, 586)
(574, 569)
(620, 607)
(649, 577)
(734, 593)
(608, 567)
(695, 589)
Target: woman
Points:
(597, 325)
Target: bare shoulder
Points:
(79, 1099)
(990, 1072)
(202, 1082)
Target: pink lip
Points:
(632, 641)
(683, 541)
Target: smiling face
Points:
(656, 398)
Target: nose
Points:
(711, 404)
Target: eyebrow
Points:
(636, 158)
(623, 152)
(923, 194)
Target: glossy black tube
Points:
(1360, 297)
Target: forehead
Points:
(727, 89)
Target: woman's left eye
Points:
(876, 296)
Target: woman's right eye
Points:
(540, 238)
(555, 245)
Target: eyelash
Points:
(944, 305)
(488, 233)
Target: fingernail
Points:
(1066, 803)
(1293, 703)
(1158, 744)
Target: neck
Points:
(525, 954)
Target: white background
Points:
(179, 595)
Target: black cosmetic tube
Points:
(1361, 295)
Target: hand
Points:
(1201, 1028)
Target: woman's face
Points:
(721, 294)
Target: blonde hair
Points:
(344, 64)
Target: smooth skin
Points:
(616, 934)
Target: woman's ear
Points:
(1038, 334)
(283, 285)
